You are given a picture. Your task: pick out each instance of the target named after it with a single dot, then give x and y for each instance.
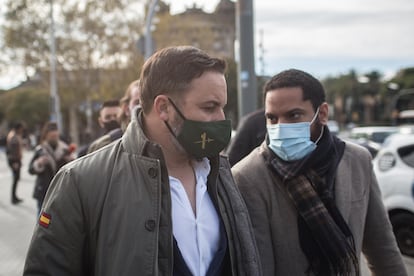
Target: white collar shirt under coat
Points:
(197, 236)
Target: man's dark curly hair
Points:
(311, 87)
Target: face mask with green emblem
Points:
(202, 139)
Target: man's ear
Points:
(323, 113)
(101, 124)
(125, 110)
(162, 107)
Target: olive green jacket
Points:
(109, 213)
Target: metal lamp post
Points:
(247, 83)
(55, 114)
(148, 24)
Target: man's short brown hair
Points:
(171, 70)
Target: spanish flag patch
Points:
(44, 219)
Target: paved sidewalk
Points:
(17, 221)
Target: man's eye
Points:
(271, 118)
(296, 115)
(209, 108)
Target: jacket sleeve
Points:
(379, 244)
(58, 240)
(34, 167)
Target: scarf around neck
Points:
(324, 236)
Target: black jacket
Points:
(45, 173)
(250, 134)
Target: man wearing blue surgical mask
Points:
(160, 200)
(313, 199)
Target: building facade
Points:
(213, 32)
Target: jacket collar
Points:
(343, 189)
(136, 142)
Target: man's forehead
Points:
(110, 109)
(291, 91)
(212, 92)
(282, 105)
(52, 133)
(135, 93)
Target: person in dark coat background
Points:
(14, 149)
(51, 154)
(251, 132)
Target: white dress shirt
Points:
(197, 236)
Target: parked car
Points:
(394, 168)
(371, 137)
(371, 146)
(406, 129)
(406, 117)
(375, 134)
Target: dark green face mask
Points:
(202, 139)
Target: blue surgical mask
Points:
(292, 142)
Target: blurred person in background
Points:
(108, 116)
(107, 120)
(129, 102)
(250, 133)
(51, 154)
(14, 152)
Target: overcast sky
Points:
(324, 37)
(330, 37)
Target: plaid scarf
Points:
(324, 236)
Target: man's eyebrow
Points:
(212, 102)
(295, 110)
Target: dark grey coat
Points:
(358, 198)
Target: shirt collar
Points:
(202, 168)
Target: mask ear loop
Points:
(313, 119)
(314, 116)
(170, 129)
(176, 109)
(179, 113)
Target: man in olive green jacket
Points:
(124, 209)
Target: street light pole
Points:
(55, 114)
(148, 33)
(247, 83)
